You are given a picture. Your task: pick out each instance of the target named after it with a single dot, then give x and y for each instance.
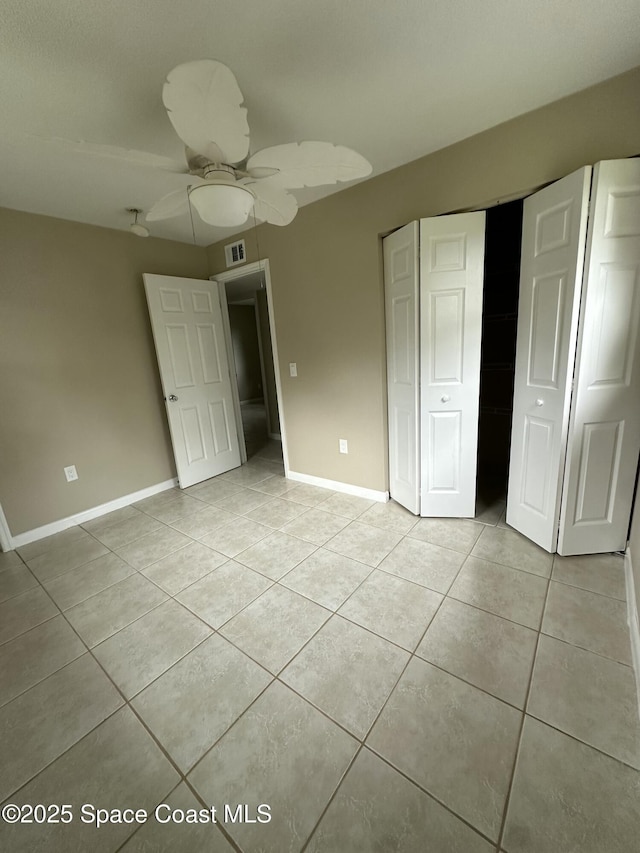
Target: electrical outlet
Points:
(293, 368)
(70, 473)
(344, 447)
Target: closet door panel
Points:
(553, 246)
(400, 251)
(451, 284)
(604, 428)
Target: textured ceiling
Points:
(395, 81)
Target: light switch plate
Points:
(70, 473)
(344, 446)
(293, 368)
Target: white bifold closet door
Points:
(554, 229)
(433, 294)
(576, 420)
(604, 426)
(401, 277)
(451, 286)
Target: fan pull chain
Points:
(255, 228)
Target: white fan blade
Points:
(272, 204)
(310, 164)
(173, 204)
(203, 102)
(136, 158)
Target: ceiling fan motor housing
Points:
(219, 172)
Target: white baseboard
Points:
(87, 515)
(5, 533)
(336, 486)
(275, 436)
(632, 619)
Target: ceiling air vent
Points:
(235, 253)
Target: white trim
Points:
(263, 372)
(337, 486)
(632, 619)
(89, 514)
(6, 541)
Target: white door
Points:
(192, 357)
(553, 245)
(400, 251)
(451, 289)
(604, 427)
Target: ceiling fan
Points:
(225, 185)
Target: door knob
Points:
(172, 398)
(539, 402)
(445, 398)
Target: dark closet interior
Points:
(498, 355)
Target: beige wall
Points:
(634, 549)
(326, 266)
(78, 376)
(246, 351)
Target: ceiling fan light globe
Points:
(139, 230)
(224, 205)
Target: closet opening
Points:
(503, 238)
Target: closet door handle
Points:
(445, 398)
(539, 402)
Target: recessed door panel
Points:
(404, 443)
(445, 458)
(547, 315)
(604, 429)
(220, 427)
(192, 359)
(615, 326)
(201, 302)
(402, 308)
(598, 472)
(622, 213)
(553, 245)
(192, 431)
(180, 355)
(536, 451)
(209, 353)
(553, 228)
(446, 336)
(171, 301)
(448, 253)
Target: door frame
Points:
(263, 371)
(221, 280)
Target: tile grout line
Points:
(430, 794)
(507, 801)
(332, 797)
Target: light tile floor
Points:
(382, 683)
